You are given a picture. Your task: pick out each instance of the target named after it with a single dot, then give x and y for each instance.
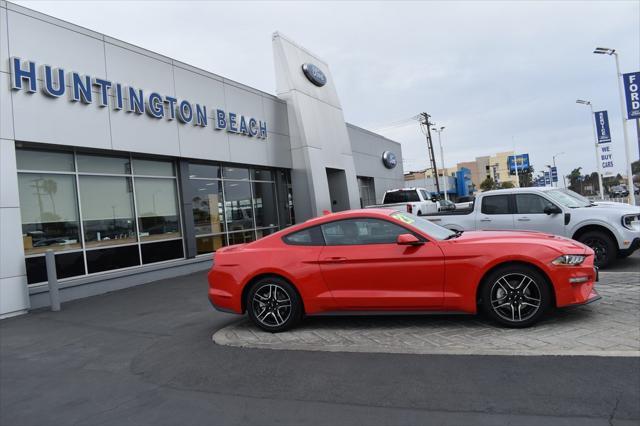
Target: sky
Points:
(499, 75)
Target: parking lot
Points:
(145, 356)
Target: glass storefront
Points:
(106, 212)
(232, 205)
(98, 212)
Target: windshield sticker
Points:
(404, 218)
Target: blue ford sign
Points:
(314, 74)
(602, 126)
(632, 94)
(389, 159)
(85, 89)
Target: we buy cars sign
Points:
(632, 94)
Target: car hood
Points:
(561, 244)
(612, 205)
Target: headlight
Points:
(631, 221)
(569, 259)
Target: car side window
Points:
(425, 196)
(495, 204)
(361, 231)
(532, 204)
(306, 237)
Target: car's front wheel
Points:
(515, 296)
(274, 305)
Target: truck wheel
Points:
(419, 213)
(603, 245)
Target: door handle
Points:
(524, 219)
(334, 259)
(486, 219)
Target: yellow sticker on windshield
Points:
(404, 218)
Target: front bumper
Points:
(635, 245)
(593, 297)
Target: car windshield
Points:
(568, 198)
(429, 228)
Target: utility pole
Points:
(446, 184)
(425, 124)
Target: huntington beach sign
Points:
(55, 82)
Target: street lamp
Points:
(627, 148)
(595, 134)
(554, 166)
(444, 173)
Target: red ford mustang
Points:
(379, 260)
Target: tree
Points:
(574, 179)
(525, 178)
(487, 184)
(507, 185)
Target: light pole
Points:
(627, 148)
(595, 134)
(444, 173)
(554, 166)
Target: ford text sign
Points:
(632, 94)
(602, 126)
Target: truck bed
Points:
(456, 212)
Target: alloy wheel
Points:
(515, 297)
(271, 305)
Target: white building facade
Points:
(132, 166)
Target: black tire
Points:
(604, 246)
(274, 305)
(505, 295)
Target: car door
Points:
(530, 214)
(496, 212)
(365, 269)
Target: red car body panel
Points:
(440, 275)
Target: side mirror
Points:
(552, 210)
(408, 240)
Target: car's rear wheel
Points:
(274, 305)
(603, 246)
(515, 296)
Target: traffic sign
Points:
(554, 174)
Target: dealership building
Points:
(131, 166)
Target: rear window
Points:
(306, 237)
(495, 204)
(403, 196)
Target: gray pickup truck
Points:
(612, 230)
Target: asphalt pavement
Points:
(144, 356)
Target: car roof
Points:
(347, 214)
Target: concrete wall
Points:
(367, 148)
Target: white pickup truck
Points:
(412, 200)
(612, 230)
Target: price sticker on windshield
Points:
(404, 218)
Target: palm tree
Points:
(50, 187)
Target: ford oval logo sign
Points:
(389, 159)
(314, 74)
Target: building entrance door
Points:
(338, 192)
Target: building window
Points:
(157, 203)
(107, 210)
(98, 212)
(49, 212)
(233, 205)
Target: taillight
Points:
(409, 208)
